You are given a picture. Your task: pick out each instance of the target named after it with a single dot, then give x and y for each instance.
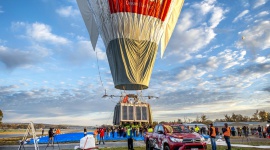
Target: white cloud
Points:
(231, 58)
(192, 72)
(262, 59)
(226, 59)
(217, 16)
(205, 6)
(67, 11)
(213, 62)
(259, 3)
(1, 11)
(262, 14)
(42, 33)
(243, 13)
(194, 30)
(13, 58)
(256, 37)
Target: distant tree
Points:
(203, 118)
(246, 118)
(255, 116)
(263, 115)
(228, 118)
(234, 117)
(179, 120)
(207, 122)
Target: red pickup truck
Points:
(174, 137)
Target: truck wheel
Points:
(148, 146)
(166, 147)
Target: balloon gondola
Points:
(131, 109)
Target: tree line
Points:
(258, 116)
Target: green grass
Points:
(10, 141)
(208, 148)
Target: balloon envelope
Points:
(131, 31)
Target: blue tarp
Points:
(206, 136)
(75, 137)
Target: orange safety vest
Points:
(228, 132)
(213, 132)
(95, 132)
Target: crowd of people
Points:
(231, 131)
(128, 131)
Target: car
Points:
(174, 137)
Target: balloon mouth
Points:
(131, 87)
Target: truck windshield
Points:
(180, 129)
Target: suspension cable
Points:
(99, 72)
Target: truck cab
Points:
(173, 137)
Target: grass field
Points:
(209, 148)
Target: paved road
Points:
(70, 146)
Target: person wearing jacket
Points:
(197, 129)
(212, 134)
(95, 135)
(227, 133)
(84, 131)
(102, 133)
(150, 129)
(130, 138)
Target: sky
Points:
(217, 62)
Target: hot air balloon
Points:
(131, 31)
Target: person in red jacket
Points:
(102, 133)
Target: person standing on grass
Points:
(113, 130)
(268, 131)
(130, 138)
(260, 131)
(84, 131)
(95, 135)
(212, 133)
(42, 131)
(227, 133)
(233, 131)
(102, 133)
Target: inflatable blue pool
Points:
(75, 137)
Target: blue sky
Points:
(217, 62)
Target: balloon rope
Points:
(99, 72)
(109, 118)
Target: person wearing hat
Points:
(227, 133)
(212, 133)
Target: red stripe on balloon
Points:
(152, 8)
